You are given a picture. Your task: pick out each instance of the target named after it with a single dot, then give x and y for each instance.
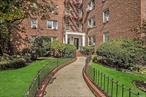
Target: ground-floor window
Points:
(52, 24)
(106, 37)
(91, 40)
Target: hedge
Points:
(122, 53)
(12, 64)
(87, 50)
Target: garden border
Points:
(45, 82)
(96, 91)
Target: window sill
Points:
(52, 29)
(105, 22)
(92, 27)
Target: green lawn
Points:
(121, 77)
(14, 83)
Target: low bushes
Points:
(69, 50)
(122, 53)
(58, 49)
(12, 64)
(87, 50)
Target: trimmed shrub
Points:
(12, 64)
(69, 50)
(87, 50)
(122, 53)
(57, 48)
(97, 59)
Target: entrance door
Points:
(76, 42)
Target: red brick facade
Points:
(42, 29)
(124, 15)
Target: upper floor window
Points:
(105, 36)
(91, 5)
(52, 24)
(34, 23)
(106, 16)
(91, 22)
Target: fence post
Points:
(104, 81)
(138, 94)
(111, 87)
(117, 89)
(107, 84)
(122, 90)
(57, 61)
(129, 92)
(93, 74)
(98, 76)
(38, 80)
(101, 80)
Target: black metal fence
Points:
(109, 86)
(41, 75)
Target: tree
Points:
(13, 12)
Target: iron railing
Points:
(41, 76)
(108, 85)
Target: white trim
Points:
(54, 27)
(82, 35)
(35, 24)
(75, 33)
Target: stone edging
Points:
(96, 91)
(41, 91)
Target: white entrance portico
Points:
(75, 38)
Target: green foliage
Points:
(69, 50)
(12, 13)
(12, 80)
(12, 64)
(40, 47)
(87, 50)
(122, 53)
(57, 45)
(61, 50)
(57, 48)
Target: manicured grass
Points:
(14, 83)
(122, 78)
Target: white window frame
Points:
(91, 22)
(34, 25)
(53, 25)
(105, 34)
(106, 14)
(91, 40)
(91, 5)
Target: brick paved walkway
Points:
(68, 82)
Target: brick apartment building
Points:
(111, 19)
(51, 26)
(89, 22)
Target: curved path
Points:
(68, 82)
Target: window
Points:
(52, 24)
(106, 16)
(91, 5)
(34, 24)
(91, 23)
(91, 40)
(105, 36)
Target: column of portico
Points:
(66, 38)
(83, 40)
